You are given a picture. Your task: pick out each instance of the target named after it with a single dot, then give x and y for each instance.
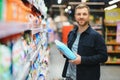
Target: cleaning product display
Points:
(65, 50)
(23, 56)
(22, 38)
(39, 69)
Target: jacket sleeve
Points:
(101, 51)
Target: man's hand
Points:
(77, 60)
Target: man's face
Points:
(82, 16)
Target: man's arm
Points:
(100, 57)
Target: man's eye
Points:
(78, 14)
(84, 14)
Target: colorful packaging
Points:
(5, 63)
(18, 57)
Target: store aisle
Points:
(56, 64)
(108, 72)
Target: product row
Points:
(25, 57)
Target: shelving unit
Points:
(111, 21)
(31, 57)
(23, 42)
(113, 47)
(97, 22)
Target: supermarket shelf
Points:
(96, 10)
(57, 6)
(11, 28)
(112, 43)
(113, 52)
(88, 3)
(111, 34)
(110, 24)
(36, 30)
(113, 63)
(97, 28)
(35, 54)
(24, 72)
(113, 46)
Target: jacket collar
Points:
(86, 31)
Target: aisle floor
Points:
(108, 72)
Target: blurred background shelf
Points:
(112, 43)
(113, 52)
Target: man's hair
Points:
(82, 5)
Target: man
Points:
(89, 47)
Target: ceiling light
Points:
(69, 7)
(66, 10)
(83, 0)
(111, 7)
(59, 1)
(114, 1)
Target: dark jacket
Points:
(92, 49)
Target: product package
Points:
(65, 50)
(5, 63)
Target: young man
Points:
(89, 47)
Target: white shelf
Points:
(97, 27)
(36, 30)
(96, 10)
(11, 28)
(24, 72)
(88, 3)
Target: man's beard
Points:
(86, 23)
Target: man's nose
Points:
(81, 16)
